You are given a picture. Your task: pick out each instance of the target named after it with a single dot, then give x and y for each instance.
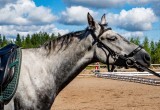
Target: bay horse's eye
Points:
(112, 38)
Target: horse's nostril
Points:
(147, 58)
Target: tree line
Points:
(37, 39)
(29, 41)
(152, 47)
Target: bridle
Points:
(125, 60)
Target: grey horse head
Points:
(109, 45)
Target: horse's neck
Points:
(58, 68)
(69, 63)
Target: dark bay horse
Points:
(45, 71)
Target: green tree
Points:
(146, 45)
(135, 40)
(18, 40)
(59, 35)
(4, 41)
(28, 43)
(1, 40)
(52, 37)
(157, 52)
(23, 41)
(152, 48)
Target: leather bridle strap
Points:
(147, 69)
(135, 51)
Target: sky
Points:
(130, 18)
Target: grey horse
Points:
(45, 71)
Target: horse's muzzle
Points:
(147, 59)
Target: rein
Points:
(127, 60)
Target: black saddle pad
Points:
(9, 73)
(7, 56)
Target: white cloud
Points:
(141, 2)
(156, 8)
(96, 3)
(25, 12)
(133, 34)
(75, 15)
(12, 30)
(4, 2)
(24, 17)
(57, 31)
(136, 19)
(155, 4)
(107, 3)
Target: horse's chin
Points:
(139, 65)
(139, 69)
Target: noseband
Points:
(127, 60)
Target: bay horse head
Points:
(113, 49)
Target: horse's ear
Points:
(91, 21)
(103, 20)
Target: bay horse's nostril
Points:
(147, 58)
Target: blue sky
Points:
(126, 17)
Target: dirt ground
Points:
(90, 93)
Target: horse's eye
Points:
(112, 38)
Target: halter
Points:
(126, 60)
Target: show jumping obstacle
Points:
(131, 77)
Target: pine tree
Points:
(152, 48)
(28, 43)
(59, 35)
(1, 40)
(23, 41)
(52, 37)
(33, 40)
(132, 39)
(4, 41)
(146, 45)
(157, 52)
(135, 40)
(18, 40)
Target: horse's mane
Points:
(62, 41)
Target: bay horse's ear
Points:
(103, 20)
(91, 21)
